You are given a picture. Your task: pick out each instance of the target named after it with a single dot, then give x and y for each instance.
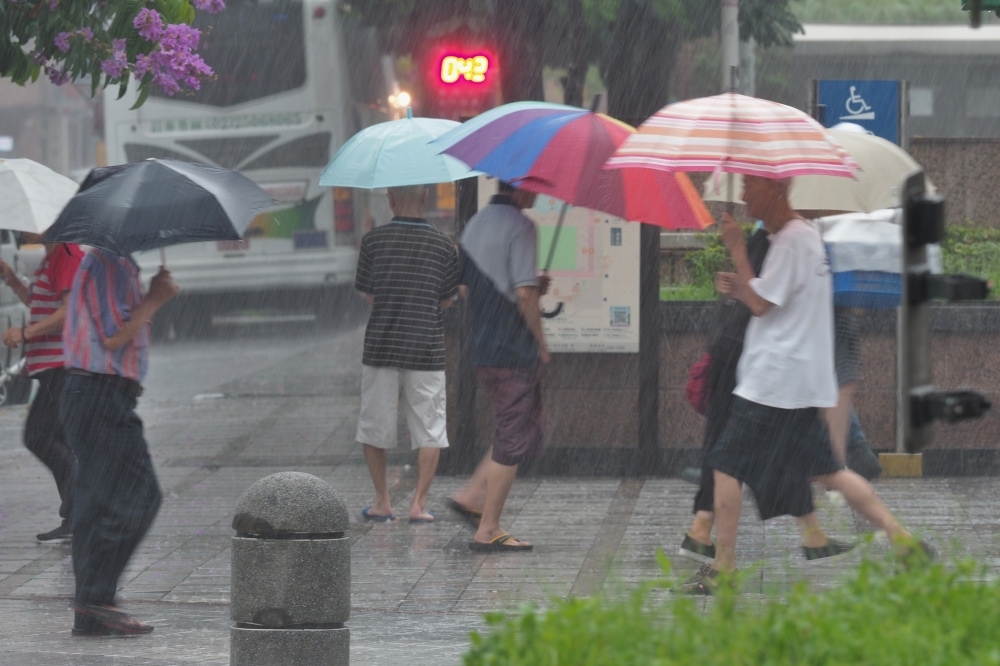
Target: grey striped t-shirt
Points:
(409, 267)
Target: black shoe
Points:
(61, 534)
(703, 553)
(90, 620)
(691, 475)
(918, 554)
(830, 551)
(863, 461)
(704, 582)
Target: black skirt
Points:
(776, 452)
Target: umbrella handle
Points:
(552, 314)
(552, 253)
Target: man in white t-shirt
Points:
(775, 440)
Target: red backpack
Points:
(696, 390)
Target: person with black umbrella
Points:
(120, 210)
(107, 337)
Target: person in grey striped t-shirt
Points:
(408, 271)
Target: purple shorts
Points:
(516, 394)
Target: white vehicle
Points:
(278, 110)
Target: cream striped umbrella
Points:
(734, 133)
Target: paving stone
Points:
(417, 591)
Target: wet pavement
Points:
(224, 412)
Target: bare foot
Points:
(420, 515)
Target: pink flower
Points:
(143, 63)
(86, 33)
(180, 36)
(112, 67)
(116, 65)
(149, 24)
(62, 41)
(60, 77)
(210, 6)
(166, 82)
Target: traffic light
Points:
(460, 76)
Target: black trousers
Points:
(43, 435)
(721, 384)
(117, 494)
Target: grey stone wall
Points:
(591, 399)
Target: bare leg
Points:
(427, 462)
(376, 459)
(861, 497)
(838, 420)
(701, 527)
(728, 505)
(473, 494)
(813, 535)
(499, 479)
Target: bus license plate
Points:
(233, 245)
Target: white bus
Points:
(280, 106)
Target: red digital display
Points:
(472, 68)
(460, 76)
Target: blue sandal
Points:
(376, 519)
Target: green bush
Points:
(966, 249)
(972, 250)
(933, 616)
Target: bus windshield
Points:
(257, 49)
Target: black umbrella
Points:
(157, 203)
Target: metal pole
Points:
(913, 339)
(748, 67)
(462, 455)
(730, 38)
(904, 115)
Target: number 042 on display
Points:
(472, 69)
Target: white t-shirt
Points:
(787, 359)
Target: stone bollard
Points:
(291, 571)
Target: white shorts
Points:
(423, 404)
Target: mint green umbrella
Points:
(394, 154)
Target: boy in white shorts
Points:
(408, 271)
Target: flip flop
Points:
(423, 521)
(471, 516)
(498, 545)
(376, 519)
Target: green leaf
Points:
(143, 95)
(123, 86)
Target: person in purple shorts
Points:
(499, 271)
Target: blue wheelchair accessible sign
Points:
(872, 104)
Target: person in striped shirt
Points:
(117, 495)
(408, 272)
(43, 350)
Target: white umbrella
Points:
(875, 186)
(31, 195)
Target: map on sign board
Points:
(595, 275)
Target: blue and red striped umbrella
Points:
(560, 151)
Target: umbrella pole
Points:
(730, 204)
(552, 254)
(163, 257)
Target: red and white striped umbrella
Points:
(734, 133)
